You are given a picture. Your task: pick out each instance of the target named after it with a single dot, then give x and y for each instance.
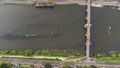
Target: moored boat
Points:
(44, 4)
(118, 8)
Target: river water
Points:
(68, 21)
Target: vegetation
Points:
(70, 4)
(45, 52)
(111, 57)
(48, 65)
(5, 65)
(25, 66)
(20, 4)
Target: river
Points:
(68, 21)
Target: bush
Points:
(113, 53)
(99, 55)
(48, 65)
(5, 65)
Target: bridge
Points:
(107, 3)
(88, 34)
(84, 2)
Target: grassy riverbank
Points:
(110, 57)
(59, 55)
(68, 4)
(32, 4)
(112, 60)
(44, 52)
(20, 4)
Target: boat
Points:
(118, 8)
(96, 5)
(48, 4)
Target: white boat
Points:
(118, 8)
(96, 5)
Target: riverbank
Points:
(58, 55)
(67, 3)
(17, 3)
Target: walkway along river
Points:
(68, 21)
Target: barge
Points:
(44, 4)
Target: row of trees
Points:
(46, 52)
(54, 52)
(110, 54)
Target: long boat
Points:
(44, 4)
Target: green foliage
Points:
(38, 52)
(13, 52)
(110, 59)
(6, 52)
(20, 4)
(118, 54)
(5, 65)
(1, 63)
(9, 65)
(28, 52)
(99, 55)
(113, 53)
(48, 65)
(45, 52)
(20, 53)
(70, 4)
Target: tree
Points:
(113, 53)
(13, 52)
(28, 52)
(1, 64)
(48, 65)
(118, 54)
(9, 65)
(20, 53)
(4, 65)
(6, 52)
(38, 52)
(45, 52)
(99, 55)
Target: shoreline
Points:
(65, 3)
(32, 3)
